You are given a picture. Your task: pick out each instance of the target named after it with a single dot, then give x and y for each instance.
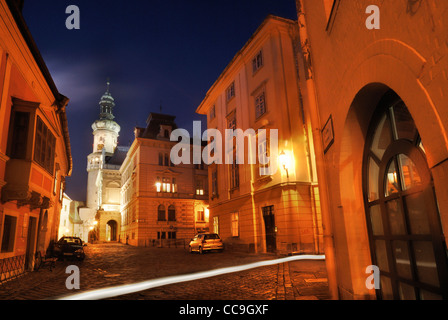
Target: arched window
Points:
(161, 213)
(171, 213)
(401, 208)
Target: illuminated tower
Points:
(105, 140)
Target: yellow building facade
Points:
(258, 90)
(374, 84)
(161, 203)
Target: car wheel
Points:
(201, 251)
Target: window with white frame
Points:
(200, 216)
(257, 62)
(230, 92)
(260, 104)
(263, 156)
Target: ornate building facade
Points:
(102, 213)
(376, 100)
(35, 154)
(277, 212)
(161, 202)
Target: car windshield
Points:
(211, 236)
(71, 241)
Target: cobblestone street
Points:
(115, 264)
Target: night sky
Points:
(155, 52)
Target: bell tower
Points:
(105, 129)
(105, 140)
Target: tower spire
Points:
(107, 104)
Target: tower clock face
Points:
(100, 147)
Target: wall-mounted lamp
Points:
(284, 162)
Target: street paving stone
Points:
(113, 264)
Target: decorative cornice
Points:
(25, 197)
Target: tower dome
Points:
(105, 129)
(107, 104)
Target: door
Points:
(270, 230)
(406, 238)
(111, 230)
(30, 243)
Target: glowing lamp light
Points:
(95, 223)
(284, 161)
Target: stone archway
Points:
(402, 217)
(112, 230)
(356, 233)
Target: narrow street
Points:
(113, 264)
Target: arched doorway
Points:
(111, 230)
(402, 217)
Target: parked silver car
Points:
(206, 242)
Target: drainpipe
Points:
(313, 114)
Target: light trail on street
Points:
(111, 292)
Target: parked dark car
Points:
(69, 247)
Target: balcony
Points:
(27, 184)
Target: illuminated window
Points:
(402, 216)
(165, 185)
(201, 215)
(234, 224)
(216, 225)
(199, 187)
